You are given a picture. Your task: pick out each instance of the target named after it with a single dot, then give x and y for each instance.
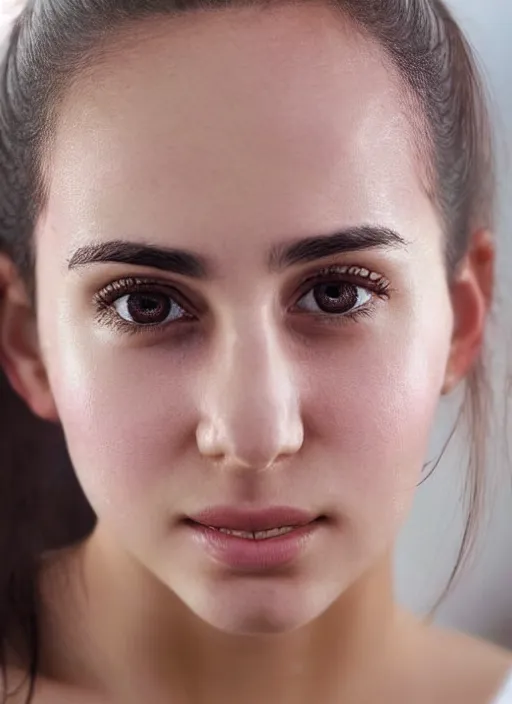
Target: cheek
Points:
(373, 408)
(127, 423)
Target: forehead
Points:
(247, 121)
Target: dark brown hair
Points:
(52, 42)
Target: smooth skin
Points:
(231, 136)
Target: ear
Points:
(471, 295)
(20, 355)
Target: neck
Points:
(131, 623)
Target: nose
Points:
(251, 417)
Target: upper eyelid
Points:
(134, 282)
(130, 284)
(372, 280)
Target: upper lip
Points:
(265, 519)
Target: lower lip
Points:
(253, 555)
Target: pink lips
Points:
(253, 552)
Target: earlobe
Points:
(20, 355)
(471, 296)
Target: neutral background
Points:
(482, 600)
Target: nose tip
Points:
(249, 448)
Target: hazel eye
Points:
(335, 297)
(148, 308)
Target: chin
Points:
(258, 607)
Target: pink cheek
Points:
(124, 430)
(374, 414)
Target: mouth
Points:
(255, 541)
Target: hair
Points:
(53, 42)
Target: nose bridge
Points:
(255, 409)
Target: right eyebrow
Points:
(176, 261)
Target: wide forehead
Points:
(247, 109)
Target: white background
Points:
(482, 601)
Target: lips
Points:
(255, 542)
(253, 525)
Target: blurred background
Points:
(481, 600)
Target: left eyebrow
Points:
(353, 239)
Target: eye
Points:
(135, 304)
(335, 297)
(148, 308)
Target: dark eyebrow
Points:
(176, 261)
(184, 263)
(352, 239)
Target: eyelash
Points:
(351, 275)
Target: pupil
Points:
(332, 291)
(145, 308)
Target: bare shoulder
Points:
(462, 668)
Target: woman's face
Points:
(240, 364)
